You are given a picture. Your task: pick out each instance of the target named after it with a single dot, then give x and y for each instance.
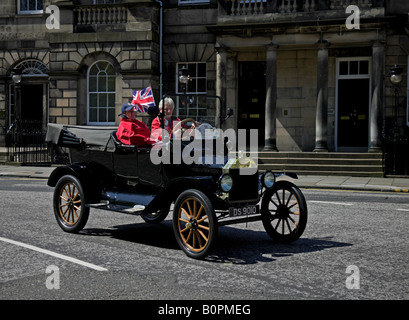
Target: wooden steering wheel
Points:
(179, 124)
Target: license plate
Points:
(243, 211)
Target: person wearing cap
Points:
(132, 131)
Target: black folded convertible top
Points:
(73, 135)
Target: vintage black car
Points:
(105, 174)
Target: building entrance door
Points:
(32, 102)
(353, 102)
(251, 98)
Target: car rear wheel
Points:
(284, 212)
(69, 204)
(194, 223)
(156, 216)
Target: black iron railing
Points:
(25, 144)
(395, 148)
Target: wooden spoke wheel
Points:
(284, 212)
(69, 204)
(194, 223)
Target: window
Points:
(353, 67)
(194, 104)
(193, 2)
(104, 1)
(101, 93)
(407, 97)
(197, 76)
(30, 6)
(33, 68)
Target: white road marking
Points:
(54, 254)
(402, 209)
(331, 202)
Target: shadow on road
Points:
(249, 247)
(157, 235)
(233, 245)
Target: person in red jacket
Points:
(132, 131)
(166, 106)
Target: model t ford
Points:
(206, 192)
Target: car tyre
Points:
(69, 204)
(156, 216)
(284, 212)
(194, 223)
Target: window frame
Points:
(407, 95)
(193, 2)
(100, 123)
(21, 11)
(179, 65)
(95, 2)
(194, 105)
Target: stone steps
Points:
(318, 163)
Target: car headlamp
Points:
(226, 183)
(268, 179)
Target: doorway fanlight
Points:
(32, 68)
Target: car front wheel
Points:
(194, 223)
(284, 212)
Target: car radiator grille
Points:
(245, 187)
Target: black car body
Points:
(105, 174)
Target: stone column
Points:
(321, 121)
(378, 53)
(271, 98)
(221, 60)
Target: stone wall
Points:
(130, 45)
(296, 99)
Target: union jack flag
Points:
(143, 99)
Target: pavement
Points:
(389, 184)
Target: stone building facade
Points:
(90, 62)
(308, 74)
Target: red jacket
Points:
(134, 132)
(157, 130)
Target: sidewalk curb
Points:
(344, 188)
(341, 183)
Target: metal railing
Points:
(256, 7)
(25, 144)
(395, 148)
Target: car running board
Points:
(137, 209)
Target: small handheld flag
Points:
(143, 99)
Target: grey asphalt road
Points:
(354, 247)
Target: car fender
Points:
(202, 183)
(175, 187)
(89, 181)
(289, 174)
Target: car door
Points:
(126, 164)
(148, 172)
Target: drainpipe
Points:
(160, 48)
